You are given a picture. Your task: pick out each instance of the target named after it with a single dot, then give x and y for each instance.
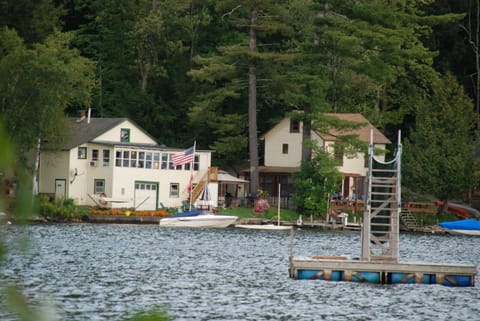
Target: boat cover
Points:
(188, 213)
(468, 224)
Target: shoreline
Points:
(137, 219)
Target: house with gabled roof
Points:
(283, 154)
(112, 162)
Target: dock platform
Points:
(379, 256)
(343, 269)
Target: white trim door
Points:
(146, 195)
(60, 188)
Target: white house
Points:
(283, 153)
(117, 160)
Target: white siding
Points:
(136, 134)
(53, 166)
(119, 181)
(78, 188)
(274, 141)
(281, 134)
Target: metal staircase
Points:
(380, 231)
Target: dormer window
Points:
(294, 126)
(125, 135)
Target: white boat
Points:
(264, 226)
(198, 218)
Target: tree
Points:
(248, 70)
(369, 48)
(33, 20)
(439, 155)
(316, 179)
(473, 38)
(38, 84)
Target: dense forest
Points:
(224, 72)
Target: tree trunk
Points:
(306, 134)
(252, 109)
(473, 34)
(476, 51)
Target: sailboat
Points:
(267, 226)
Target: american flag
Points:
(185, 157)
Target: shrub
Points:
(61, 209)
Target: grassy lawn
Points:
(271, 213)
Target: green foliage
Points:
(316, 180)
(38, 84)
(367, 48)
(33, 20)
(62, 209)
(222, 74)
(439, 154)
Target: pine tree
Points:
(439, 155)
(247, 70)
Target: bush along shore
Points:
(65, 210)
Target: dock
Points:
(382, 272)
(379, 261)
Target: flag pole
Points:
(191, 173)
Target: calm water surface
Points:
(108, 272)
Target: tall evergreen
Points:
(248, 70)
(439, 154)
(374, 54)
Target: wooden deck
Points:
(358, 206)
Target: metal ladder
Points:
(381, 219)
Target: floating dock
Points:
(379, 262)
(382, 272)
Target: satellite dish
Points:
(73, 174)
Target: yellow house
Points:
(115, 162)
(283, 153)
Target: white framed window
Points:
(126, 158)
(148, 159)
(156, 160)
(99, 186)
(106, 157)
(118, 158)
(174, 190)
(164, 162)
(133, 158)
(94, 154)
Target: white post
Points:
(89, 115)
(191, 174)
(35, 186)
(278, 201)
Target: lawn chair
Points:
(186, 206)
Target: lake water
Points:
(108, 272)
